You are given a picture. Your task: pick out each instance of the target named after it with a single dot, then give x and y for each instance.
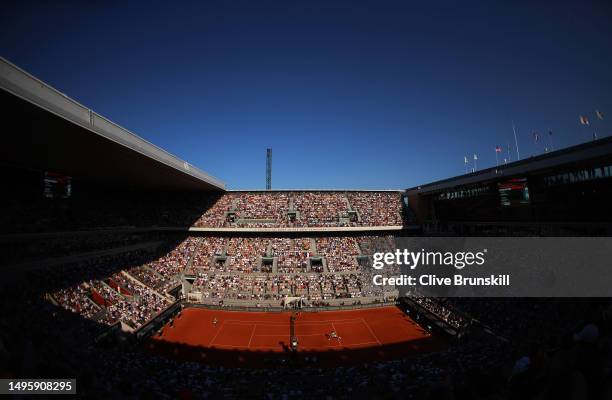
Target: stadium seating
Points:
(304, 209)
(133, 287)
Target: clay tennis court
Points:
(370, 334)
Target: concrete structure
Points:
(47, 130)
(566, 188)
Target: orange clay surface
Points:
(365, 334)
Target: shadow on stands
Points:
(34, 207)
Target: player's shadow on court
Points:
(284, 346)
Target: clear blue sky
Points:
(348, 94)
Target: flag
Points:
(497, 149)
(599, 114)
(465, 160)
(505, 161)
(536, 137)
(475, 157)
(584, 120)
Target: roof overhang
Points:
(575, 154)
(46, 130)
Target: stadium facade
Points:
(564, 192)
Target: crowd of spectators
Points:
(48, 246)
(304, 209)
(135, 306)
(121, 283)
(206, 250)
(292, 254)
(133, 286)
(153, 279)
(77, 299)
(173, 263)
(244, 254)
(216, 215)
(442, 311)
(311, 287)
(320, 208)
(372, 244)
(256, 268)
(377, 208)
(340, 253)
(125, 287)
(263, 205)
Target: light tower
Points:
(268, 169)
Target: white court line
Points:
(255, 322)
(343, 345)
(371, 331)
(214, 337)
(239, 321)
(252, 333)
(359, 344)
(242, 347)
(330, 320)
(298, 335)
(354, 321)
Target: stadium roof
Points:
(47, 130)
(574, 154)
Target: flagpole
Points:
(536, 138)
(599, 117)
(550, 140)
(518, 155)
